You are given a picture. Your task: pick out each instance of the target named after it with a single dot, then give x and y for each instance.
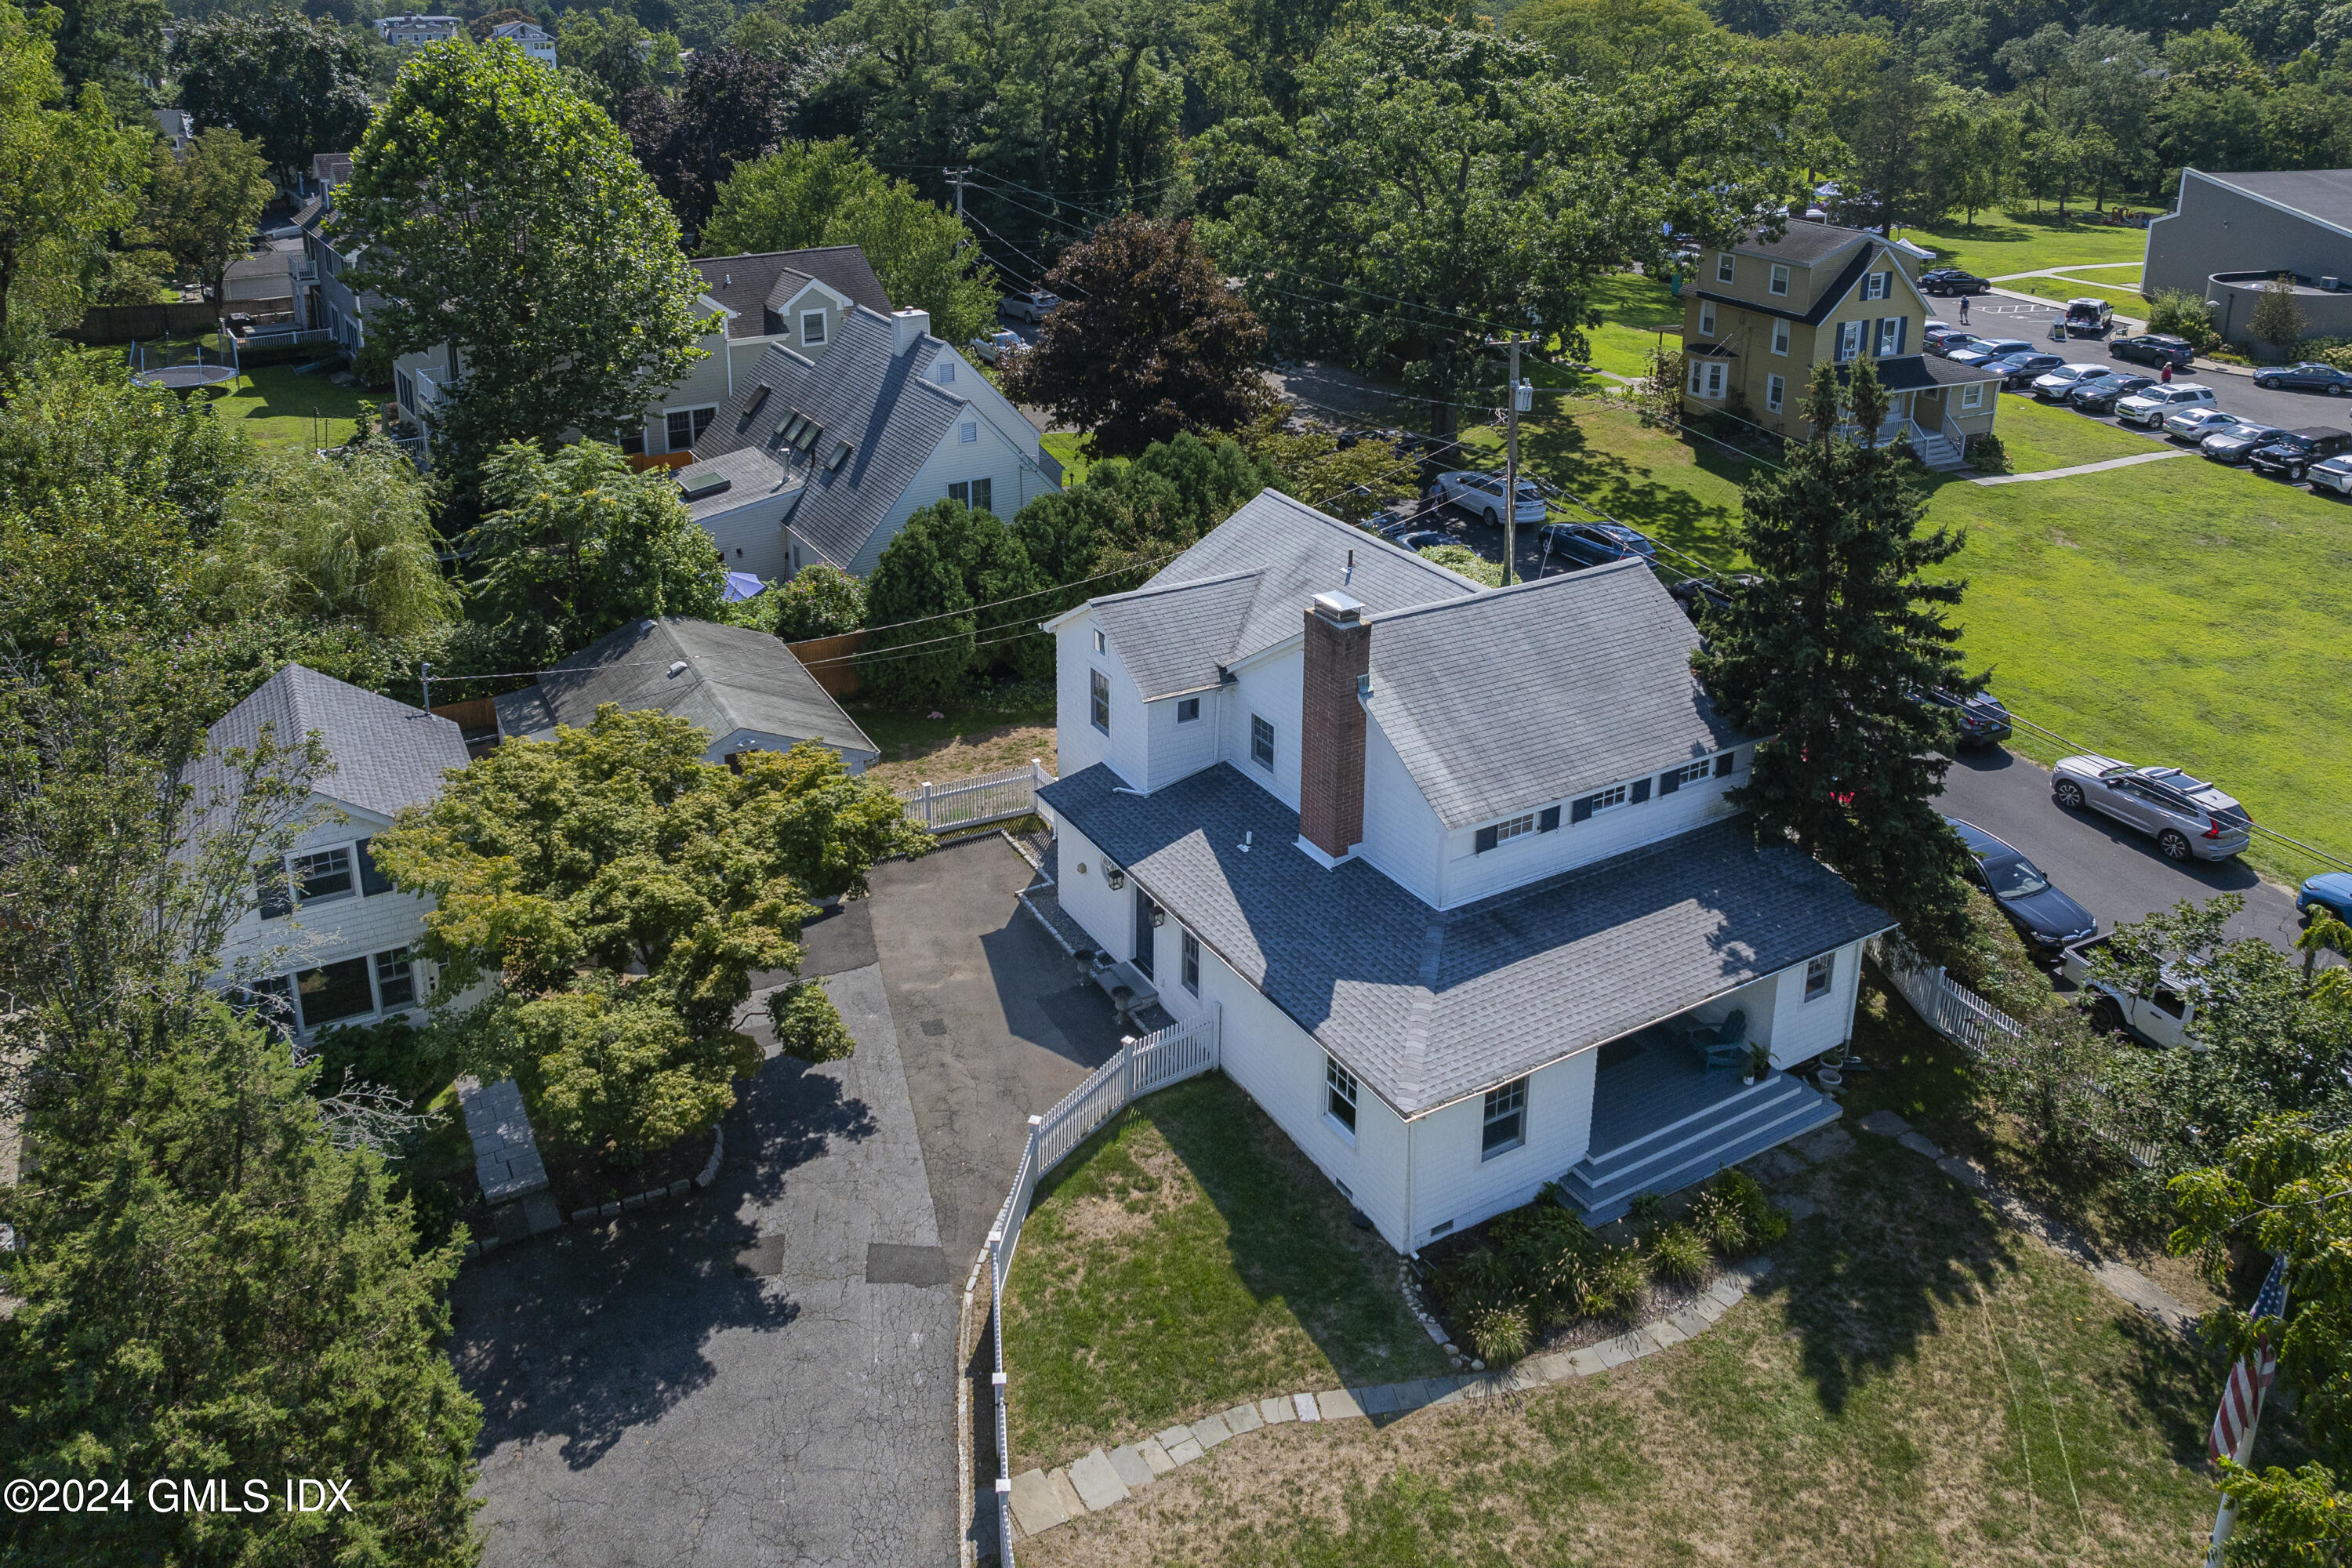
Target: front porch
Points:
(1662, 1118)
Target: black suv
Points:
(2290, 454)
(2154, 348)
(1952, 281)
(2101, 397)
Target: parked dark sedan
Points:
(1951, 280)
(2047, 919)
(2290, 454)
(1597, 544)
(1983, 720)
(2309, 377)
(2154, 348)
(2018, 370)
(1938, 337)
(2099, 396)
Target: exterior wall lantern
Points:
(1115, 876)
(1159, 916)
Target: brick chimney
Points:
(1331, 726)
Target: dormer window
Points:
(812, 328)
(1723, 265)
(1781, 279)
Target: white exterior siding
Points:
(1452, 1182)
(990, 455)
(752, 538)
(1467, 876)
(1079, 745)
(1108, 917)
(727, 746)
(1403, 836)
(1802, 1030)
(1174, 750)
(1268, 688)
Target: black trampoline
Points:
(185, 367)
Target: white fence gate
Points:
(977, 802)
(1158, 1060)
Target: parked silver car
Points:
(2060, 383)
(2188, 818)
(2156, 404)
(2193, 425)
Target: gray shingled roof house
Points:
(887, 421)
(1452, 866)
(327, 940)
(744, 687)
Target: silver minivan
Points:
(2157, 403)
(2188, 818)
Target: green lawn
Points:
(2127, 302)
(2041, 436)
(279, 408)
(2118, 275)
(1634, 310)
(997, 728)
(1186, 1258)
(2176, 612)
(2027, 241)
(1069, 449)
(1916, 1384)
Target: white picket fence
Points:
(977, 802)
(1167, 1055)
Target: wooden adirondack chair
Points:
(1725, 1044)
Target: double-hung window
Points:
(395, 980)
(1339, 1095)
(1890, 336)
(1775, 390)
(324, 874)
(1261, 743)
(1780, 338)
(686, 425)
(1849, 339)
(1820, 975)
(1099, 685)
(1878, 286)
(1192, 968)
(1723, 265)
(1781, 279)
(812, 328)
(1972, 394)
(1707, 317)
(1506, 1120)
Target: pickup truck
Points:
(2163, 1020)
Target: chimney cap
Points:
(1339, 607)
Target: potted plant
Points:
(1759, 1062)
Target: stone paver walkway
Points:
(505, 1155)
(2078, 468)
(1044, 1498)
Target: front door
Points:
(1145, 909)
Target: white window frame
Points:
(1725, 269)
(1821, 976)
(1102, 643)
(1890, 335)
(1972, 394)
(1774, 387)
(1188, 711)
(349, 869)
(1779, 284)
(1707, 317)
(1512, 827)
(1610, 799)
(1099, 700)
(1341, 1087)
(1849, 340)
(945, 373)
(1878, 286)
(1262, 729)
(1188, 969)
(967, 432)
(1693, 772)
(1504, 1102)
(812, 339)
(1781, 339)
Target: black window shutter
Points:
(1902, 332)
(372, 881)
(1669, 783)
(269, 883)
(1581, 810)
(1723, 764)
(1486, 839)
(1641, 791)
(1550, 821)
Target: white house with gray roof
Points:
(841, 450)
(1455, 863)
(328, 940)
(743, 686)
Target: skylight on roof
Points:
(840, 456)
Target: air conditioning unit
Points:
(2331, 284)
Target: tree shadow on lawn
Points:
(601, 1328)
(1632, 494)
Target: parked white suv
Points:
(1481, 495)
(2155, 404)
(1034, 305)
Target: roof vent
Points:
(727, 280)
(677, 669)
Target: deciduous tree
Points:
(1148, 340)
(503, 216)
(296, 84)
(202, 205)
(1827, 657)
(732, 108)
(929, 636)
(615, 55)
(348, 541)
(2277, 320)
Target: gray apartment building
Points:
(2230, 233)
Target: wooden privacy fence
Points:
(976, 802)
(129, 323)
(1167, 1055)
(830, 660)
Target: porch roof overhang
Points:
(1427, 1007)
(1921, 372)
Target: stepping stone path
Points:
(1042, 1500)
(507, 1162)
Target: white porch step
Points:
(1601, 1187)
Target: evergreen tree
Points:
(1829, 656)
(925, 656)
(2277, 320)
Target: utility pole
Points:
(956, 175)
(1517, 402)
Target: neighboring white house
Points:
(743, 686)
(408, 32)
(841, 449)
(530, 35)
(329, 941)
(1456, 864)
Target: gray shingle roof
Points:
(1805, 243)
(723, 483)
(1828, 300)
(752, 285)
(386, 754)
(1531, 694)
(883, 403)
(1245, 585)
(2322, 194)
(1426, 1007)
(1914, 373)
(735, 678)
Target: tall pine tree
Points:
(1829, 656)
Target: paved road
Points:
(2112, 871)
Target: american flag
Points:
(2241, 1397)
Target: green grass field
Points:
(1069, 449)
(2127, 302)
(2026, 241)
(1188, 1257)
(279, 408)
(2176, 612)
